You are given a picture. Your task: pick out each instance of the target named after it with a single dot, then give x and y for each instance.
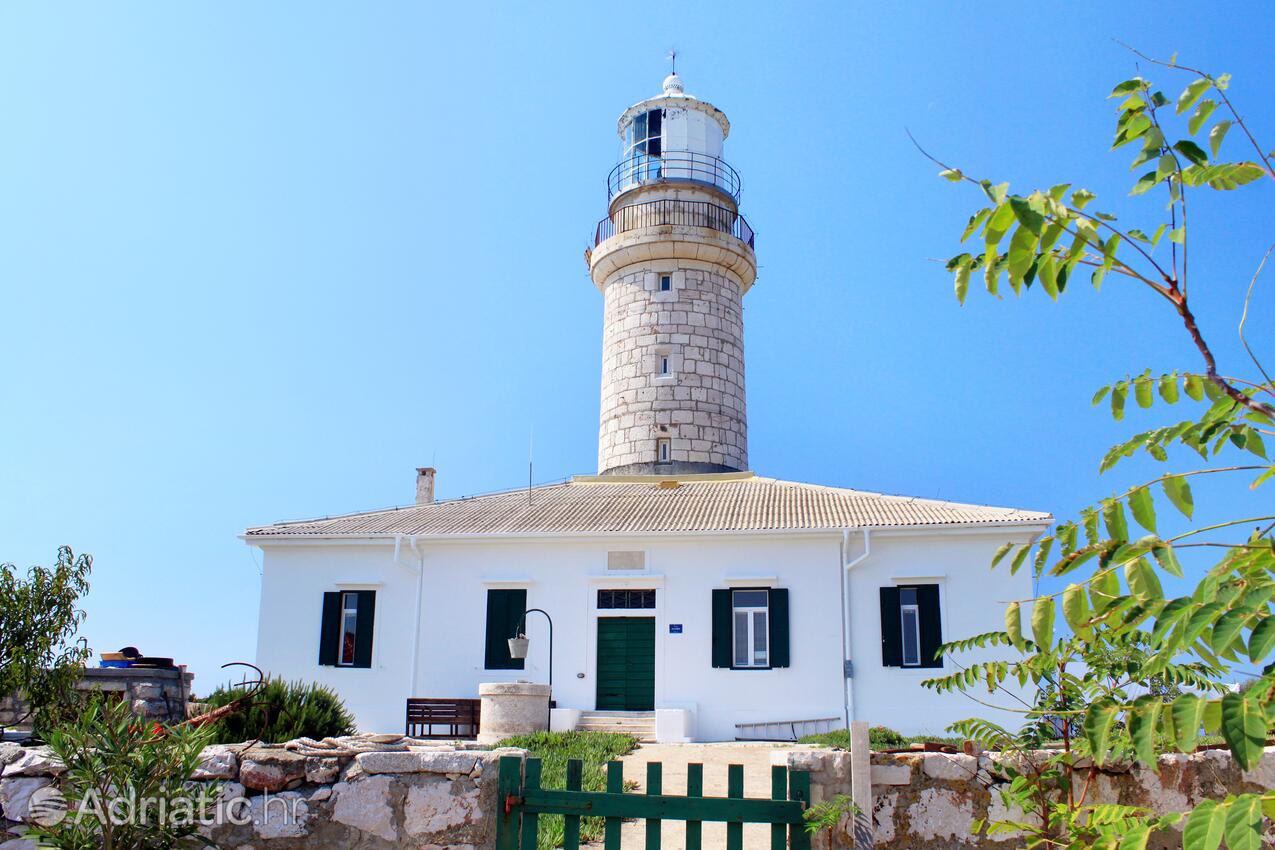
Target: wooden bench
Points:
(457, 718)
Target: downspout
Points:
(846, 642)
(419, 569)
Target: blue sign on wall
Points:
(675, 628)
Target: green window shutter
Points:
(504, 609)
(927, 601)
(330, 629)
(779, 653)
(721, 629)
(366, 618)
(891, 628)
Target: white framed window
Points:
(663, 450)
(750, 617)
(666, 282)
(910, 619)
(349, 629)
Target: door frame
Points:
(647, 581)
(597, 682)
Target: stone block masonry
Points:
(159, 695)
(293, 796)
(927, 801)
(673, 368)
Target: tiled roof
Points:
(649, 504)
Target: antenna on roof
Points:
(531, 442)
(672, 58)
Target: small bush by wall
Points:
(282, 711)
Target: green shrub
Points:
(281, 711)
(879, 738)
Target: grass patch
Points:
(553, 749)
(879, 738)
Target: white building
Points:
(683, 588)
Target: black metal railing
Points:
(687, 166)
(671, 211)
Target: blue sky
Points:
(259, 261)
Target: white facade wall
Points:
(563, 577)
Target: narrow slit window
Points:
(666, 282)
(349, 628)
(663, 450)
(664, 364)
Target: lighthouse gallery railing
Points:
(674, 212)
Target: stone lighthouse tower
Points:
(673, 259)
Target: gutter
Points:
(846, 642)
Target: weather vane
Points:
(672, 58)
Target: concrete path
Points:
(756, 759)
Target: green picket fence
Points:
(522, 802)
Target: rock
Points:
(891, 774)
(271, 770)
(318, 795)
(416, 762)
(366, 806)
(36, 761)
(19, 844)
(883, 818)
(280, 815)
(147, 690)
(9, 752)
(434, 807)
(939, 813)
(322, 771)
(951, 768)
(217, 762)
(15, 794)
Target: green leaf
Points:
(1019, 557)
(1227, 629)
(1244, 730)
(1179, 493)
(1169, 388)
(1244, 823)
(1075, 607)
(1203, 830)
(1194, 387)
(1145, 182)
(1192, 93)
(1001, 552)
(962, 283)
(1188, 715)
(1223, 176)
(1217, 134)
(1201, 114)
(1135, 838)
(1178, 234)
(1022, 253)
(1262, 640)
(953, 174)
(1142, 506)
(1027, 216)
(975, 221)
(1103, 588)
(1043, 622)
(1113, 518)
(1126, 87)
(1168, 560)
(1014, 626)
(1165, 166)
(1081, 197)
(1143, 720)
(1142, 580)
(1100, 395)
(1191, 151)
(1099, 719)
(1119, 391)
(1142, 387)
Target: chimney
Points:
(425, 485)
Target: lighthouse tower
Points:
(673, 259)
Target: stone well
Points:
(512, 708)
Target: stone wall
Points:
(291, 796)
(927, 801)
(159, 695)
(699, 405)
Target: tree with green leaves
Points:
(1136, 672)
(40, 657)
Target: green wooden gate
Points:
(626, 664)
(522, 802)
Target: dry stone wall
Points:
(159, 695)
(927, 801)
(699, 405)
(413, 796)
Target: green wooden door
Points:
(626, 663)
